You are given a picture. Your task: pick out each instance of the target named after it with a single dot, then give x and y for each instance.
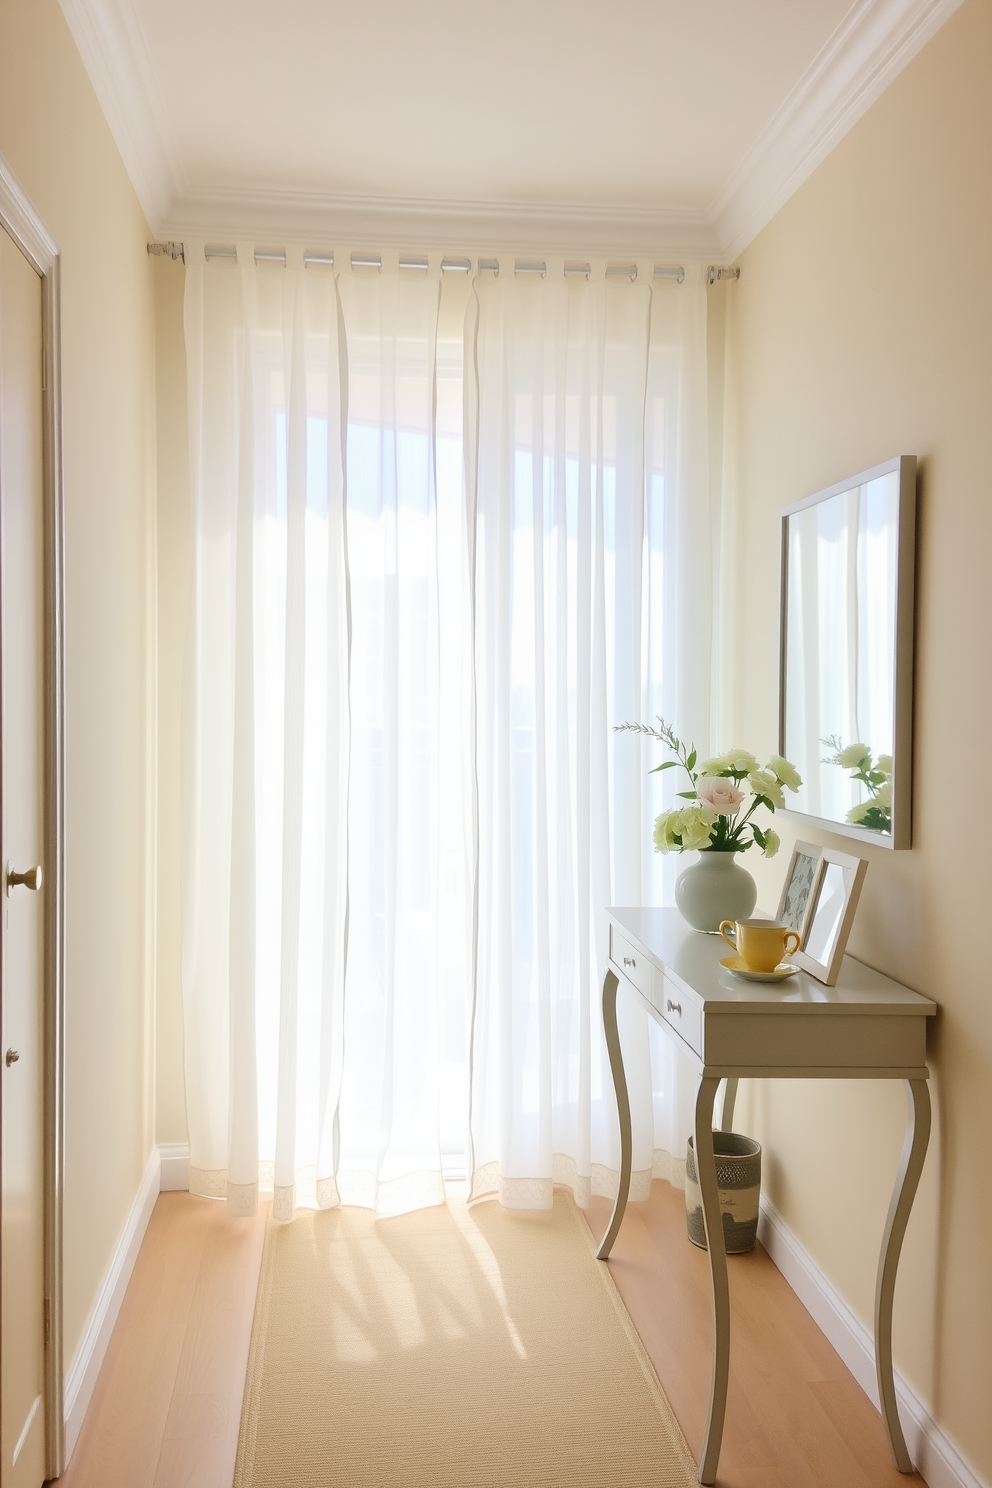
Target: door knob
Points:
(30, 879)
(12, 1057)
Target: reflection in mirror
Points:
(846, 598)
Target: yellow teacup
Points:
(761, 944)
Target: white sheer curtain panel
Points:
(312, 736)
(446, 534)
(592, 562)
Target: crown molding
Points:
(871, 46)
(112, 44)
(874, 42)
(398, 222)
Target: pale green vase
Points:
(715, 888)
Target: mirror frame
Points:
(902, 722)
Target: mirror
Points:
(845, 692)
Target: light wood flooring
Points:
(166, 1408)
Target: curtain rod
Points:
(448, 265)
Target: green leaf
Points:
(759, 836)
(876, 820)
(668, 765)
(690, 762)
(687, 795)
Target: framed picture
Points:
(833, 900)
(798, 896)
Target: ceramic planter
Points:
(738, 1176)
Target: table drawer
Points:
(682, 1012)
(632, 962)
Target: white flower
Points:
(859, 812)
(772, 844)
(664, 839)
(884, 796)
(695, 825)
(764, 783)
(691, 823)
(884, 765)
(721, 793)
(785, 773)
(738, 760)
(741, 760)
(854, 756)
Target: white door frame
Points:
(36, 243)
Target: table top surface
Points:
(694, 959)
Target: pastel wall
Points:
(862, 328)
(56, 140)
(174, 526)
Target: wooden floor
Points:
(795, 1416)
(166, 1408)
(167, 1405)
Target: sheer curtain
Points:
(445, 536)
(591, 561)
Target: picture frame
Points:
(795, 906)
(829, 913)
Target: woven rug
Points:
(453, 1347)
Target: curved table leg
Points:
(914, 1150)
(610, 986)
(729, 1102)
(713, 1224)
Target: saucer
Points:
(740, 968)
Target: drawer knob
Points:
(629, 961)
(674, 1007)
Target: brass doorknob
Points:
(30, 879)
(12, 1057)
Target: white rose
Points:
(723, 794)
(772, 844)
(854, 756)
(785, 773)
(741, 760)
(764, 783)
(858, 813)
(695, 822)
(663, 840)
(884, 797)
(714, 766)
(884, 765)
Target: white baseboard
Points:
(937, 1460)
(175, 1166)
(167, 1168)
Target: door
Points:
(22, 766)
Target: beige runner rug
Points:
(449, 1348)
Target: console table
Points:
(866, 1027)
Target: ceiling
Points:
(588, 125)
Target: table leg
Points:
(610, 987)
(729, 1102)
(716, 1250)
(914, 1150)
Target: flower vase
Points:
(714, 888)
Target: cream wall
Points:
(55, 139)
(861, 328)
(174, 545)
